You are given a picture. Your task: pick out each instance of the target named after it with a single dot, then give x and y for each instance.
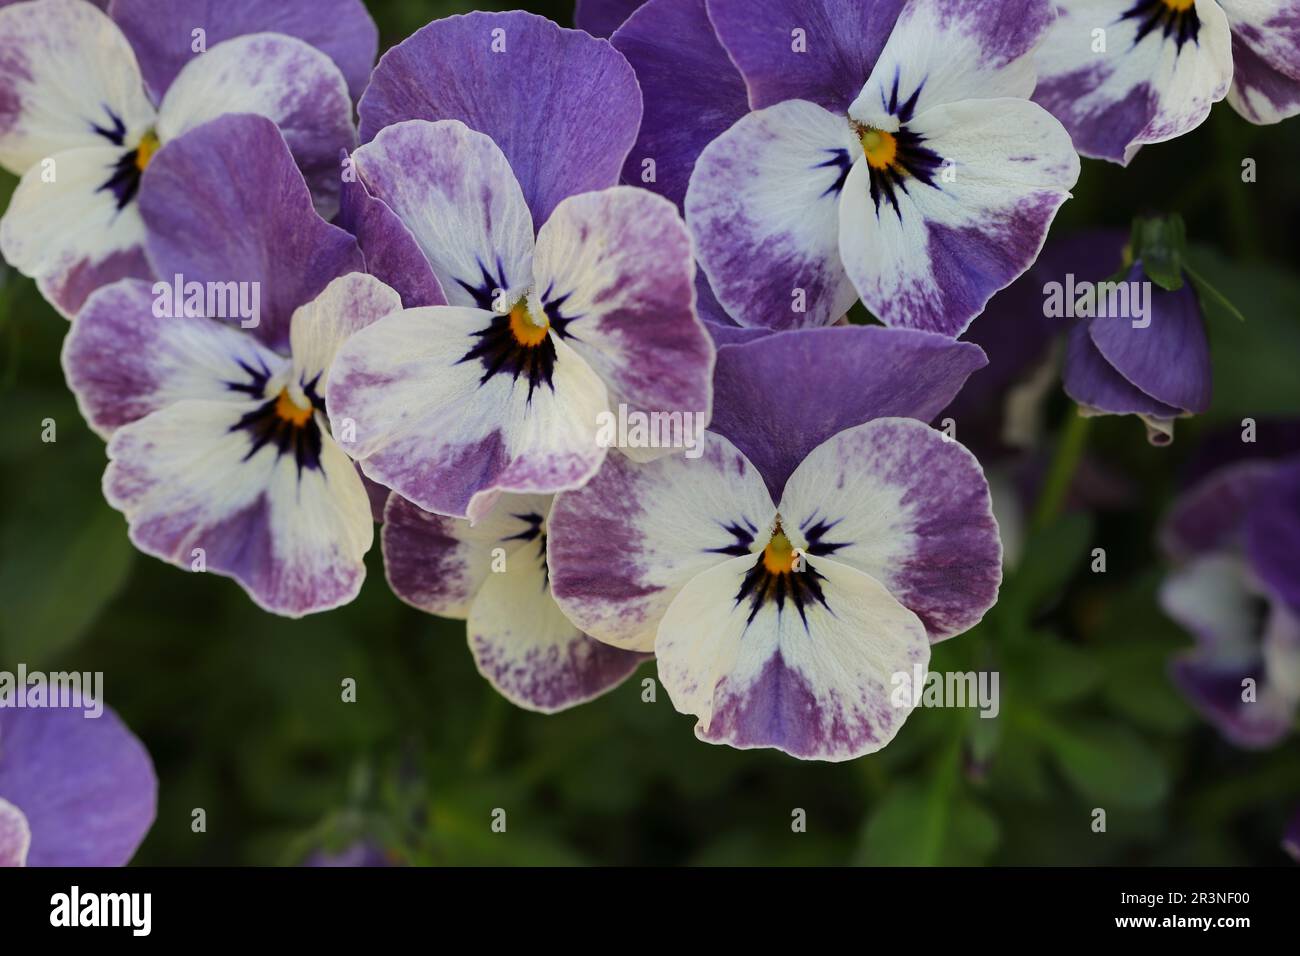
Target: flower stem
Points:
(1069, 450)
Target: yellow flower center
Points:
(779, 556)
(525, 327)
(289, 410)
(1179, 6)
(881, 147)
(144, 152)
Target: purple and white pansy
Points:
(87, 99)
(493, 575)
(1123, 73)
(76, 788)
(782, 589)
(892, 155)
(544, 332)
(1235, 535)
(220, 452)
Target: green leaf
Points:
(1051, 557)
(933, 825)
(1161, 245)
(1107, 763)
(1205, 292)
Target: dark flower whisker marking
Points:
(1177, 21)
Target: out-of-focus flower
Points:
(1236, 535)
(87, 101)
(75, 790)
(220, 452)
(493, 575)
(1123, 73)
(783, 625)
(544, 333)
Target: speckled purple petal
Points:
(563, 106)
(1211, 515)
(683, 72)
(1145, 86)
(601, 18)
(1273, 533)
(623, 546)
(1265, 58)
(817, 683)
(1169, 359)
(720, 326)
(162, 33)
(763, 206)
(123, 361)
(841, 41)
(617, 265)
(213, 216)
(85, 784)
(1093, 382)
(905, 504)
(391, 252)
(779, 398)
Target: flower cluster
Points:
(289, 326)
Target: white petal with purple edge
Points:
(617, 267)
(282, 78)
(68, 79)
(943, 51)
(15, 835)
(1158, 75)
(763, 206)
(1265, 58)
(961, 212)
(901, 502)
(623, 546)
(123, 360)
(449, 410)
(77, 231)
(281, 512)
(816, 681)
(317, 329)
(454, 190)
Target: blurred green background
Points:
(242, 712)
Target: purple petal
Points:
(683, 72)
(563, 106)
(85, 784)
(779, 398)
(212, 216)
(162, 33)
(842, 39)
(1273, 533)
(1094, 383)
(1169, 359)
(1210, 516)
(391, 252)
(601, 18)
(907, 505)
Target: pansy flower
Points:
(892, 154)
(1235, 535)
(545, 331)
(88, 99)
(220, 453)
(493, 575)
(823, 540)
(1123, 73)
(75, 789)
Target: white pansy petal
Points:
(1265, 58)
(15, 835)
(622, 546)
(78, 230)
(812, 674)
(961, 212)
(68, 79)
(282, 78)
(317, 329)
(944, 52)
(454, 191)
(901, 502)
(1121, 73)
(763, 205)
(278, 508)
